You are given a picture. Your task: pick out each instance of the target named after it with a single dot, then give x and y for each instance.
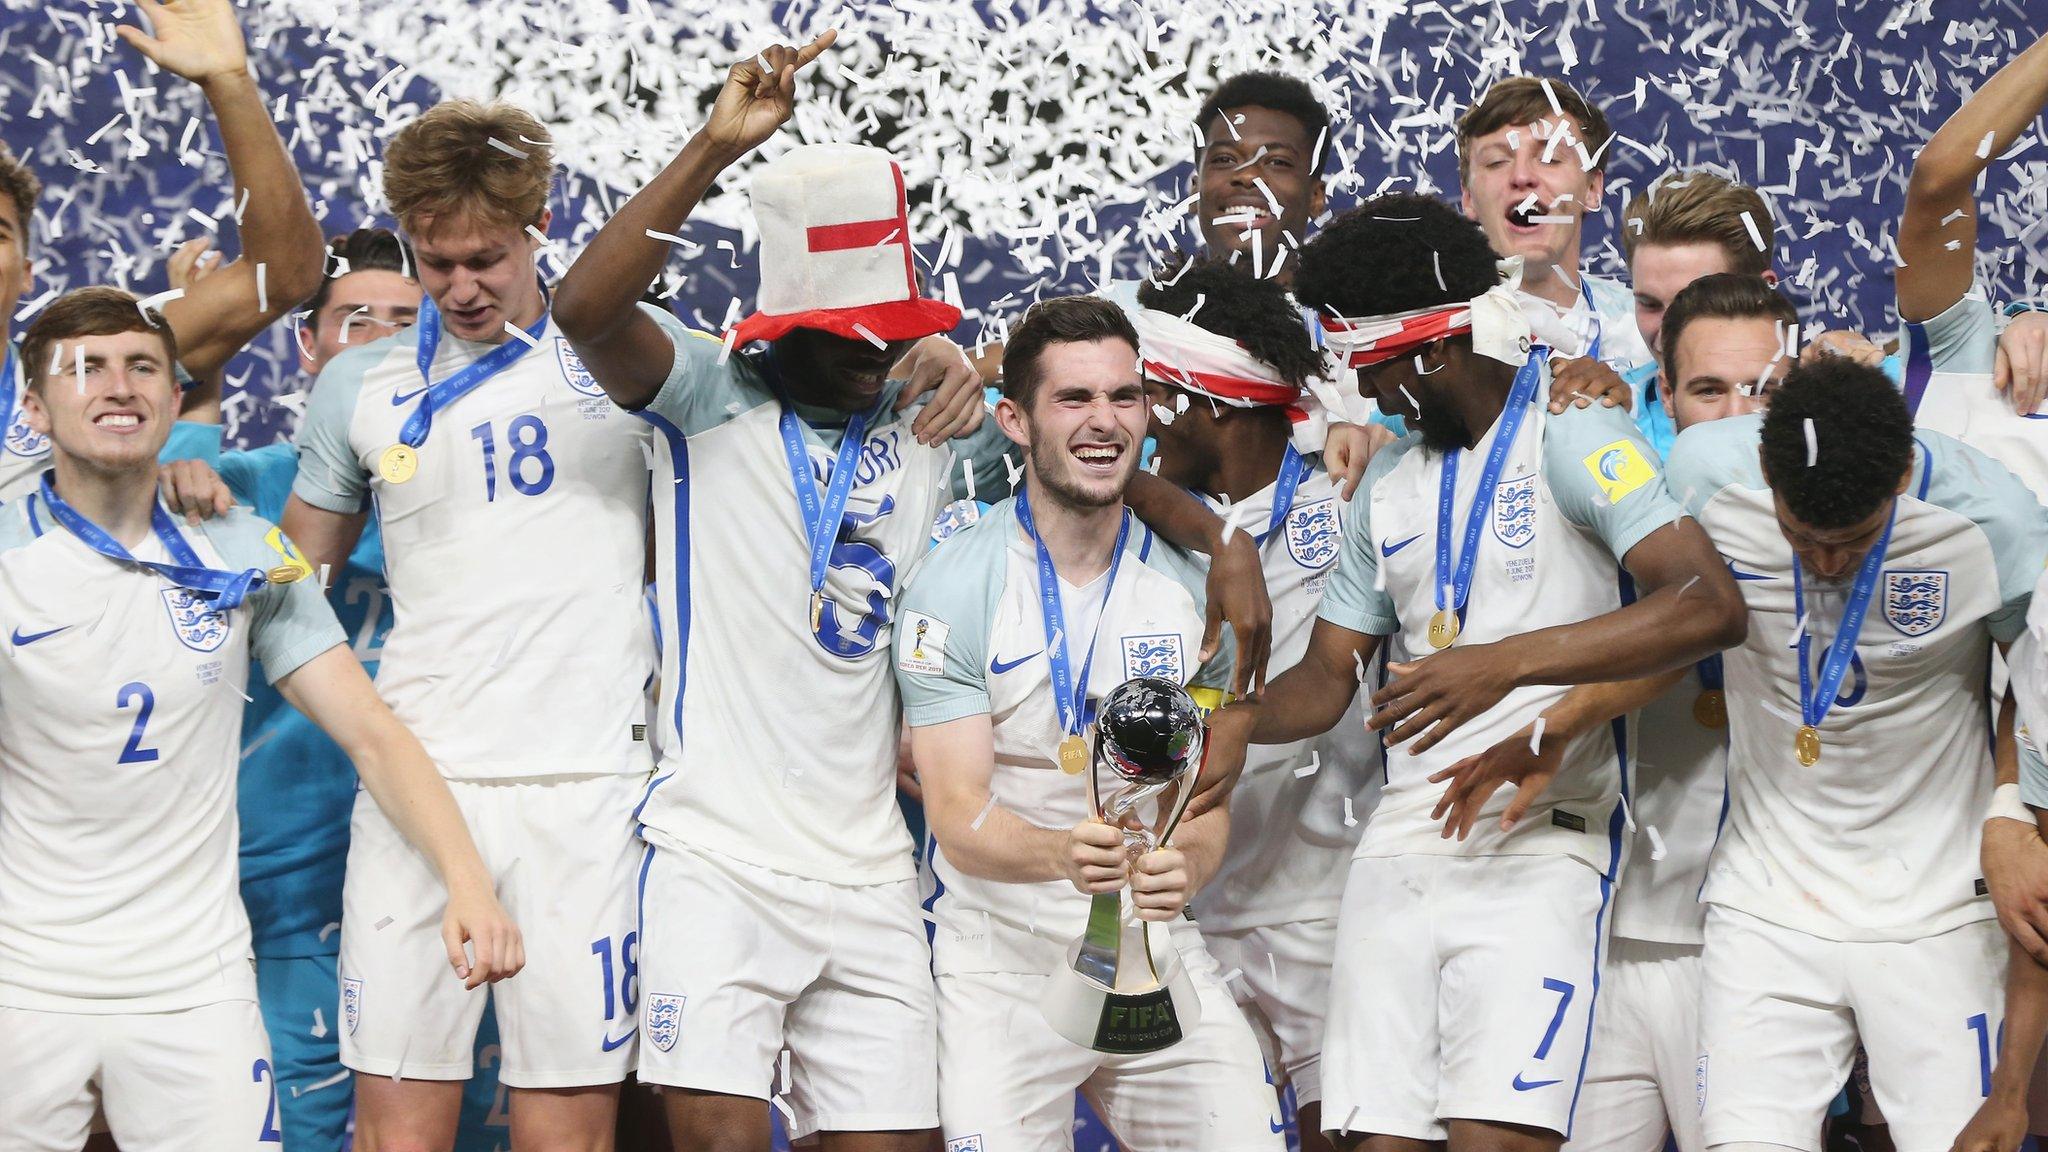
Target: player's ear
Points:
(32, 410)
(1011, 419)
(547, 216)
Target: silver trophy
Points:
(1123, 988)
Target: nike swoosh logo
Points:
(1387, 549)
(611, 1045)
(1522, 1085)
(1275, 1125)
(398, 398)
(1739, 574)
(997, 667)
(21, 638)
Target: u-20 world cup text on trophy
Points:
(1123, 988)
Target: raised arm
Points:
(333, 691)
(1936, 252)
(1688, 608)
(1236, 592)
(596, 304)
(282, 249)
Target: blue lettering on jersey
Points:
(878, 458)
(1915, 600)
(198, 626)
(1313, 535)
(1514, 512)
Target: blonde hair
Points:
(1700, 207)
(488, 164)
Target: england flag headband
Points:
(1494, 319)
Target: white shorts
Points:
(1640, 1077)
(1280, 975)
(198, 1080)
(741, 963)
(1007, 1080)
(1463, 989)
(1782, 1012)
(563, 855)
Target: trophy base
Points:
(1141, 1015)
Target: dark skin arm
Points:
(1237, 579)
(1689, 608)
(1306, 700)
(2001, 1121)
(625, 349)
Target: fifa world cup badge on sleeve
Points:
(1123, 988)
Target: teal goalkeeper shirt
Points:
(297, 787)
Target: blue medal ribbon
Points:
(227, 590)
(1069, 695)
(10, 376)
(1519, 398)
(1586, 292)
(439, 396)
(1710, 673)
(1293, 470)
(1815, 700)
(821, 515)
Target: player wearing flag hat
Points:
(1485, 544)
(126, 977)
(1225, 360)
(512, 498)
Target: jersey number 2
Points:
(139, 692)
(528, 437)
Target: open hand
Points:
(196, 39)
(937, 366)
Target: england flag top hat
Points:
(835, 249)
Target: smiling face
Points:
(481, 276)
(1085, 422)
(1719, 363)
(360, 307)
(1247, 147)
(107, 402)
(834, 371)
(1532, 170)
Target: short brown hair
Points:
(1059, 320)
(1525, 100)
(489, 164)
(1700, 207)
(20, 185)
(94, 311)
(1722, 296)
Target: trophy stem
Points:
(1097, 958)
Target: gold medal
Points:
(1807, 744)
(1710, 709)
(817, 609)
(284, 574)
(1073, 755)
(398, 464)
(1443, 628)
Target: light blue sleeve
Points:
(1652, 411)
(1606, 477)
(1191, 574)
(954, 590)
(190, 440)
(1969, 483)
(293, 621)
(1122, 293)
(1353, 599)
(1962, 339)
(331, 475)
(984, 450)
(701, 393)
(1707, 458)
(260, 477)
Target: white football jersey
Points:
(779, 740)
(1675, 802)
(1948, 383)
(519, 643)
(24, 452)
(120, 738)
(972, 643)
(1576, 493)
(1604, 315)
(1878, 839)
(1297, 811)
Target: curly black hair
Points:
(1862, 432)
(1394, 253)
(1254, 312)
(1275, 90)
